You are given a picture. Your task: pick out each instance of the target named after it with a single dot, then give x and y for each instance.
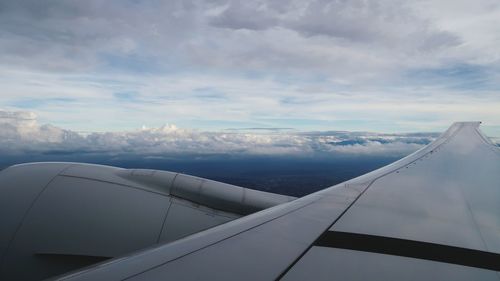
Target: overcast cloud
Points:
(391, 66)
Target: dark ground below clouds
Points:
(290, 175)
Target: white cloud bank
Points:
(20, 133)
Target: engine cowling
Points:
(57, 217)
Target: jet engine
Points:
(58, 217)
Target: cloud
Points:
(20, 133)
(17, 116)
(388, 65)
(291, 35)
(20, 130)
(357, 21)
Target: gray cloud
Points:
(75, 35)
(385, 22)
(361, 21)
(252, 15)
(89, 35)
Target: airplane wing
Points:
(432, 215)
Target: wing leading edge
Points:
(433, 214)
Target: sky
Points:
(116, 71)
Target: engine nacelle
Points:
(57, 217)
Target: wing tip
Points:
(467, 123)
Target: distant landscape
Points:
(290, 175)
(288, 162)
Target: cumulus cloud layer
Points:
(20, 133)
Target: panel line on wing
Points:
(405, 162)
(410, 248)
